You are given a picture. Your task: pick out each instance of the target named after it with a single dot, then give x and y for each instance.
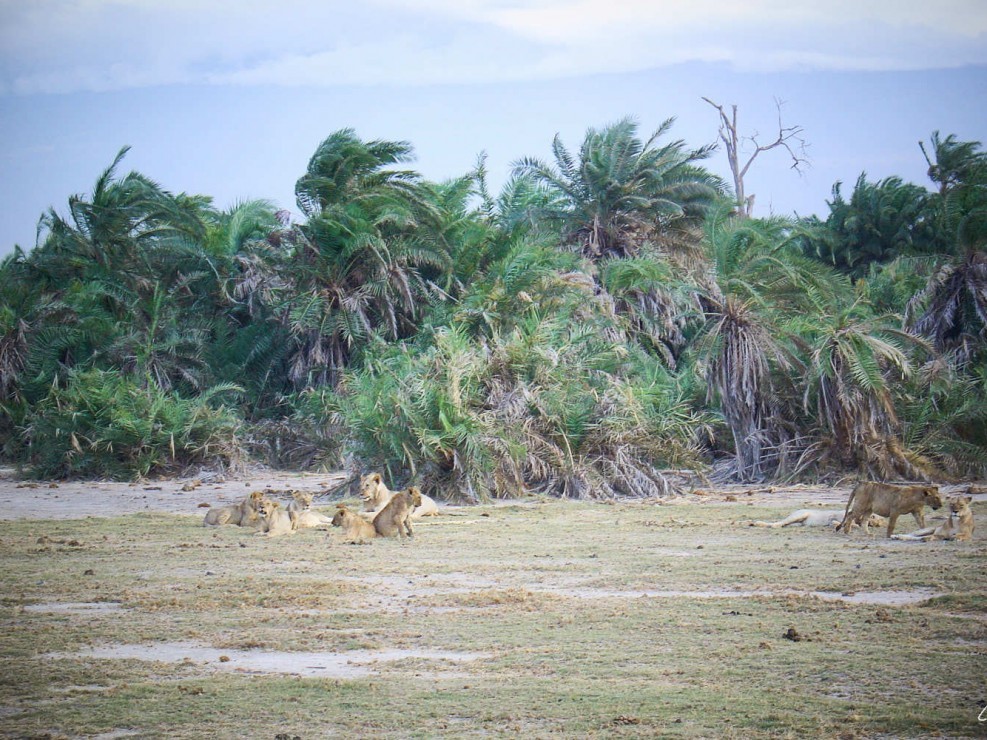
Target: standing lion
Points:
(890, 500)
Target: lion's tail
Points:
(845, 524)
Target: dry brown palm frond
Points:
(952, 309)
(13, 354)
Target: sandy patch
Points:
(94, 607)
(20, 499)
(351, 664)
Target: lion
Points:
(356, 529)
(890, 500)
(301, 513)
(958, 525)
(243, 514)
(375, 496)
(817, 518)
(276, 520)
(395, 518)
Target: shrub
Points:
(103, 425)
(549, 406)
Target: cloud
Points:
(53, 46)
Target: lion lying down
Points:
(275, 519)
(817, 518)
(958, 525)
(246, 513)
(302, 514)
(356, 529)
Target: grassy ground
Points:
(558, 618)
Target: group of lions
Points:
(872, 503)
(386, 513)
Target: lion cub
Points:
(395, 518)
(243, 514)
(276, 521)
(356, 529)
(301, 513)
(958, 525)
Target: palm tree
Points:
(754, 282)
(952, 309)
(620, 192)
(953, 163)
(365, 258)
(857, 360)
(19, 307)
(646, 304)
(878, 223)
(127, 230)
(126, 262)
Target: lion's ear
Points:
(968, 499)
(340, 506)
(377, 478)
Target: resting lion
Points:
(890, 500)
(356, 529)
(301, 513)
(243, 514)
(375, 496)
(817, 518)
(958, 525)
(395, 518)
(276, 520)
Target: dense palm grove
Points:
(608, 317)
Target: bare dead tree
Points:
(789, 138)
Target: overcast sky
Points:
(229, 98)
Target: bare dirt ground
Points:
(25, 499)
(120, 615)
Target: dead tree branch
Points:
(789, 138)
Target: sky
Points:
(230, 98)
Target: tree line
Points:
(612, 313)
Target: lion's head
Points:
(932, 498)
(339, 518)
(369, 484)
(960, 506)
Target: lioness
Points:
(890, 500)
(805, 518)
(395, 518)
(301, 514)
(244, 514)
(356, 529)
(375, 496)
(276, 520)
(958, 525)
(817, 518)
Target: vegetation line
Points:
(611, 315)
